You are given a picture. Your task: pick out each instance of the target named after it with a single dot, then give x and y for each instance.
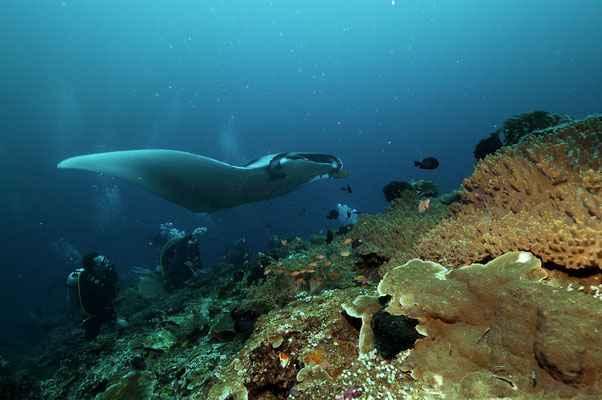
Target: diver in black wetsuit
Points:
(96, 286)
(179, 260)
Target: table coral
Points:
(541, 195)
(496, 330)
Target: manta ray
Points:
(202, 184)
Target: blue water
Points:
(377, 84)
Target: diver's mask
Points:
(102, 261)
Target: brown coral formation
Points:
(395, 232)
(542, 195)
(496, 331)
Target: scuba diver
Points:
(95, 285)
(180, 259)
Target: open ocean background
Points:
(377, 84)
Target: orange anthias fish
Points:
(424, 204)
(312, 264)
(347, 241)
(319, 256)
(283, 359)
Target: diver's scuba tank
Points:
(72, 290)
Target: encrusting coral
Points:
(395, 232)
(541, 195)
(495, 330)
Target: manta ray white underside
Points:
(202, 184)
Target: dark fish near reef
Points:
(427, 188)
(427, 163)
(347, 189)
(333, 214)
(329, 236)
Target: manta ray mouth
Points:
(279, 160)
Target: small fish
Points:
(312, 264)
(427, 188)
(333, 214)
(362, 279)
(345, 253)
(310, 271)
(483, 335)
(334, 274)
(295, 273)
(427, 163)
(319, 256)
(302, 212)
(284, 242)
(303, 271)
(347, 189)
(300, 280)
(283, 360)
(328, 264)
(347, 241)
(282, 271)
(267, 271)
(329, 236)
(279, 263)
(341, 174)
(422, 207)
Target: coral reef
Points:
(21, 385)
(308, 351)
(495, 330)
(519, 127)
(542, 195)
(308, 270)
(488, 146)
(392, 234)
(394, 189)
